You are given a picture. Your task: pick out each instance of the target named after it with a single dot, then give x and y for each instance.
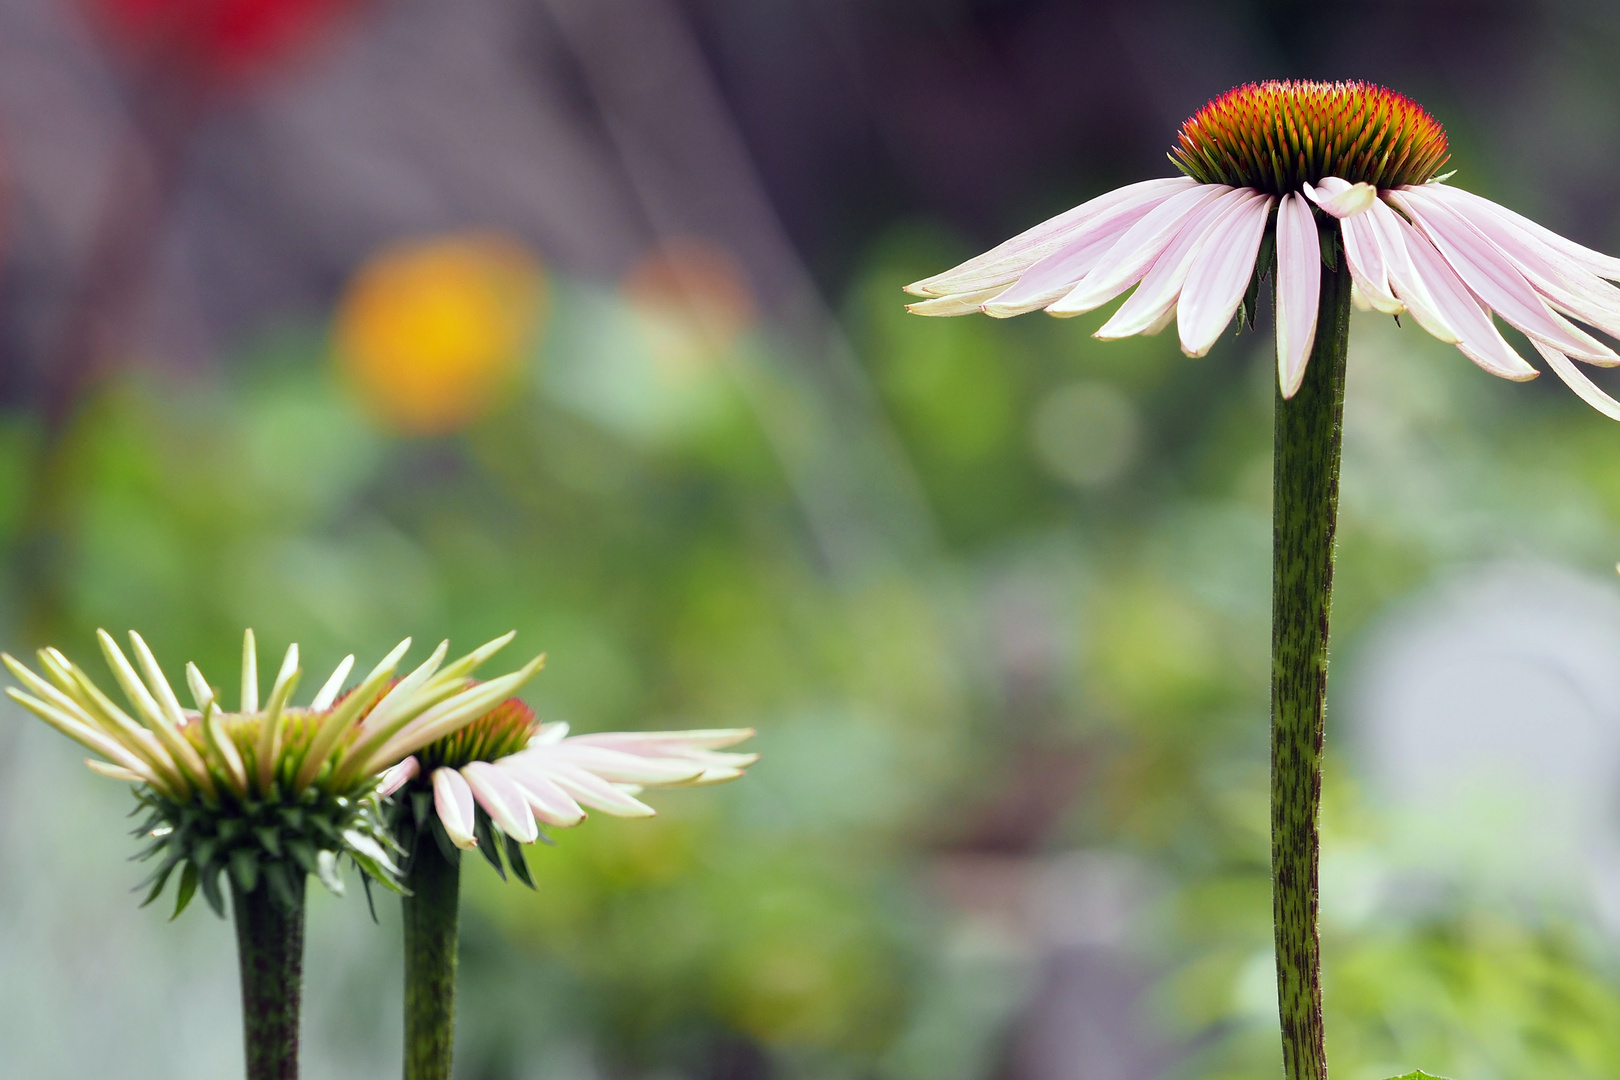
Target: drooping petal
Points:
(1480, 340)
(453, 800)
(593, 791)
(1341, 198)
(505, 802)
(1493, 278)
(1151, 307)
(1390, 232)
(1368, 271)
(1576, 380)
(398, 776)
(1299, 288)
(1058, 273)
(653, 742)
(1605, 266)
(1567, 284)
(1003, 264)
(550, 803)
(618, 767)
(1123, 265)
(956, 303)
(1219, 276)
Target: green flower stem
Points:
(431, 913)
(1308, 433)
(270, 952)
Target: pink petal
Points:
(1602, 265)
(1003, 264)
(616, 766)
(453, 799)
(595, 792)
(549, 802)
(501, 797)
(956, 303)
(1299, 290)
(1149, 309)
(1577, 381)
(1059, 272)
(1341, 198)
(398, 776)
(1565, 282)
(1219, 276)
(1481, 341)
(1493, 278)
(1133, 253)
(659, 742)
(1390, 231)
(1365, 257)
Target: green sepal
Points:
(488, 846)
(209, 879)
(277, 876)
(151, 849)
(520, 865)
(365, 883)
(269, 839)
(303, 853)
(293, 816)
(186, 890)
(245, 869)
(1249, 306)
(229, 829)
(149, 824)
(421, 806)
(451, 853)
(160, 877)
(1329, 241)
(203, 853)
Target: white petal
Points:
(550, 803)
(1058, 273)
(1151, 307)
(453, 800)
(1219, 276)
(398, 776)
(1299, 290)
(1598, 263)
(1133, 253)
(503, 799)
(1480, 341)
(329, 692)
(647, 742)
(618, 767)
(1577, 381)
(1003, 264)
(1493, 278)
(1341, 198)
(1368, 271)
(593, 791)
(550, 733)
(1390, 231)
(956, 303)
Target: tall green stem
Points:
(1308, 433)
(431, 913)
(270, 952)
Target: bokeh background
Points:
(351, 319)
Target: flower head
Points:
(1279, 177)
(506, 774)
(271, 790)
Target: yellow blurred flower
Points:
(432, 333)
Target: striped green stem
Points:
(1308, 433)
(432, 912)
(270, 952)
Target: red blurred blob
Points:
(219, 38)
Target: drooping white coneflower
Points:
(1268, 167)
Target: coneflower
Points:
(255, 800)
(490, 786)
(1335, 191)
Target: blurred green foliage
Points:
(1096, 593)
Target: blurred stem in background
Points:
(1308, 436)
(431, 914)
(270, 950)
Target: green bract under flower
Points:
(1274, 136)
(264, 793)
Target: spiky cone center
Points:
(501, 732)
(1275, 136)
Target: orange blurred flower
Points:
(432, 333)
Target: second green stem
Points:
(431, 915)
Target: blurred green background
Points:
(995, 595)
